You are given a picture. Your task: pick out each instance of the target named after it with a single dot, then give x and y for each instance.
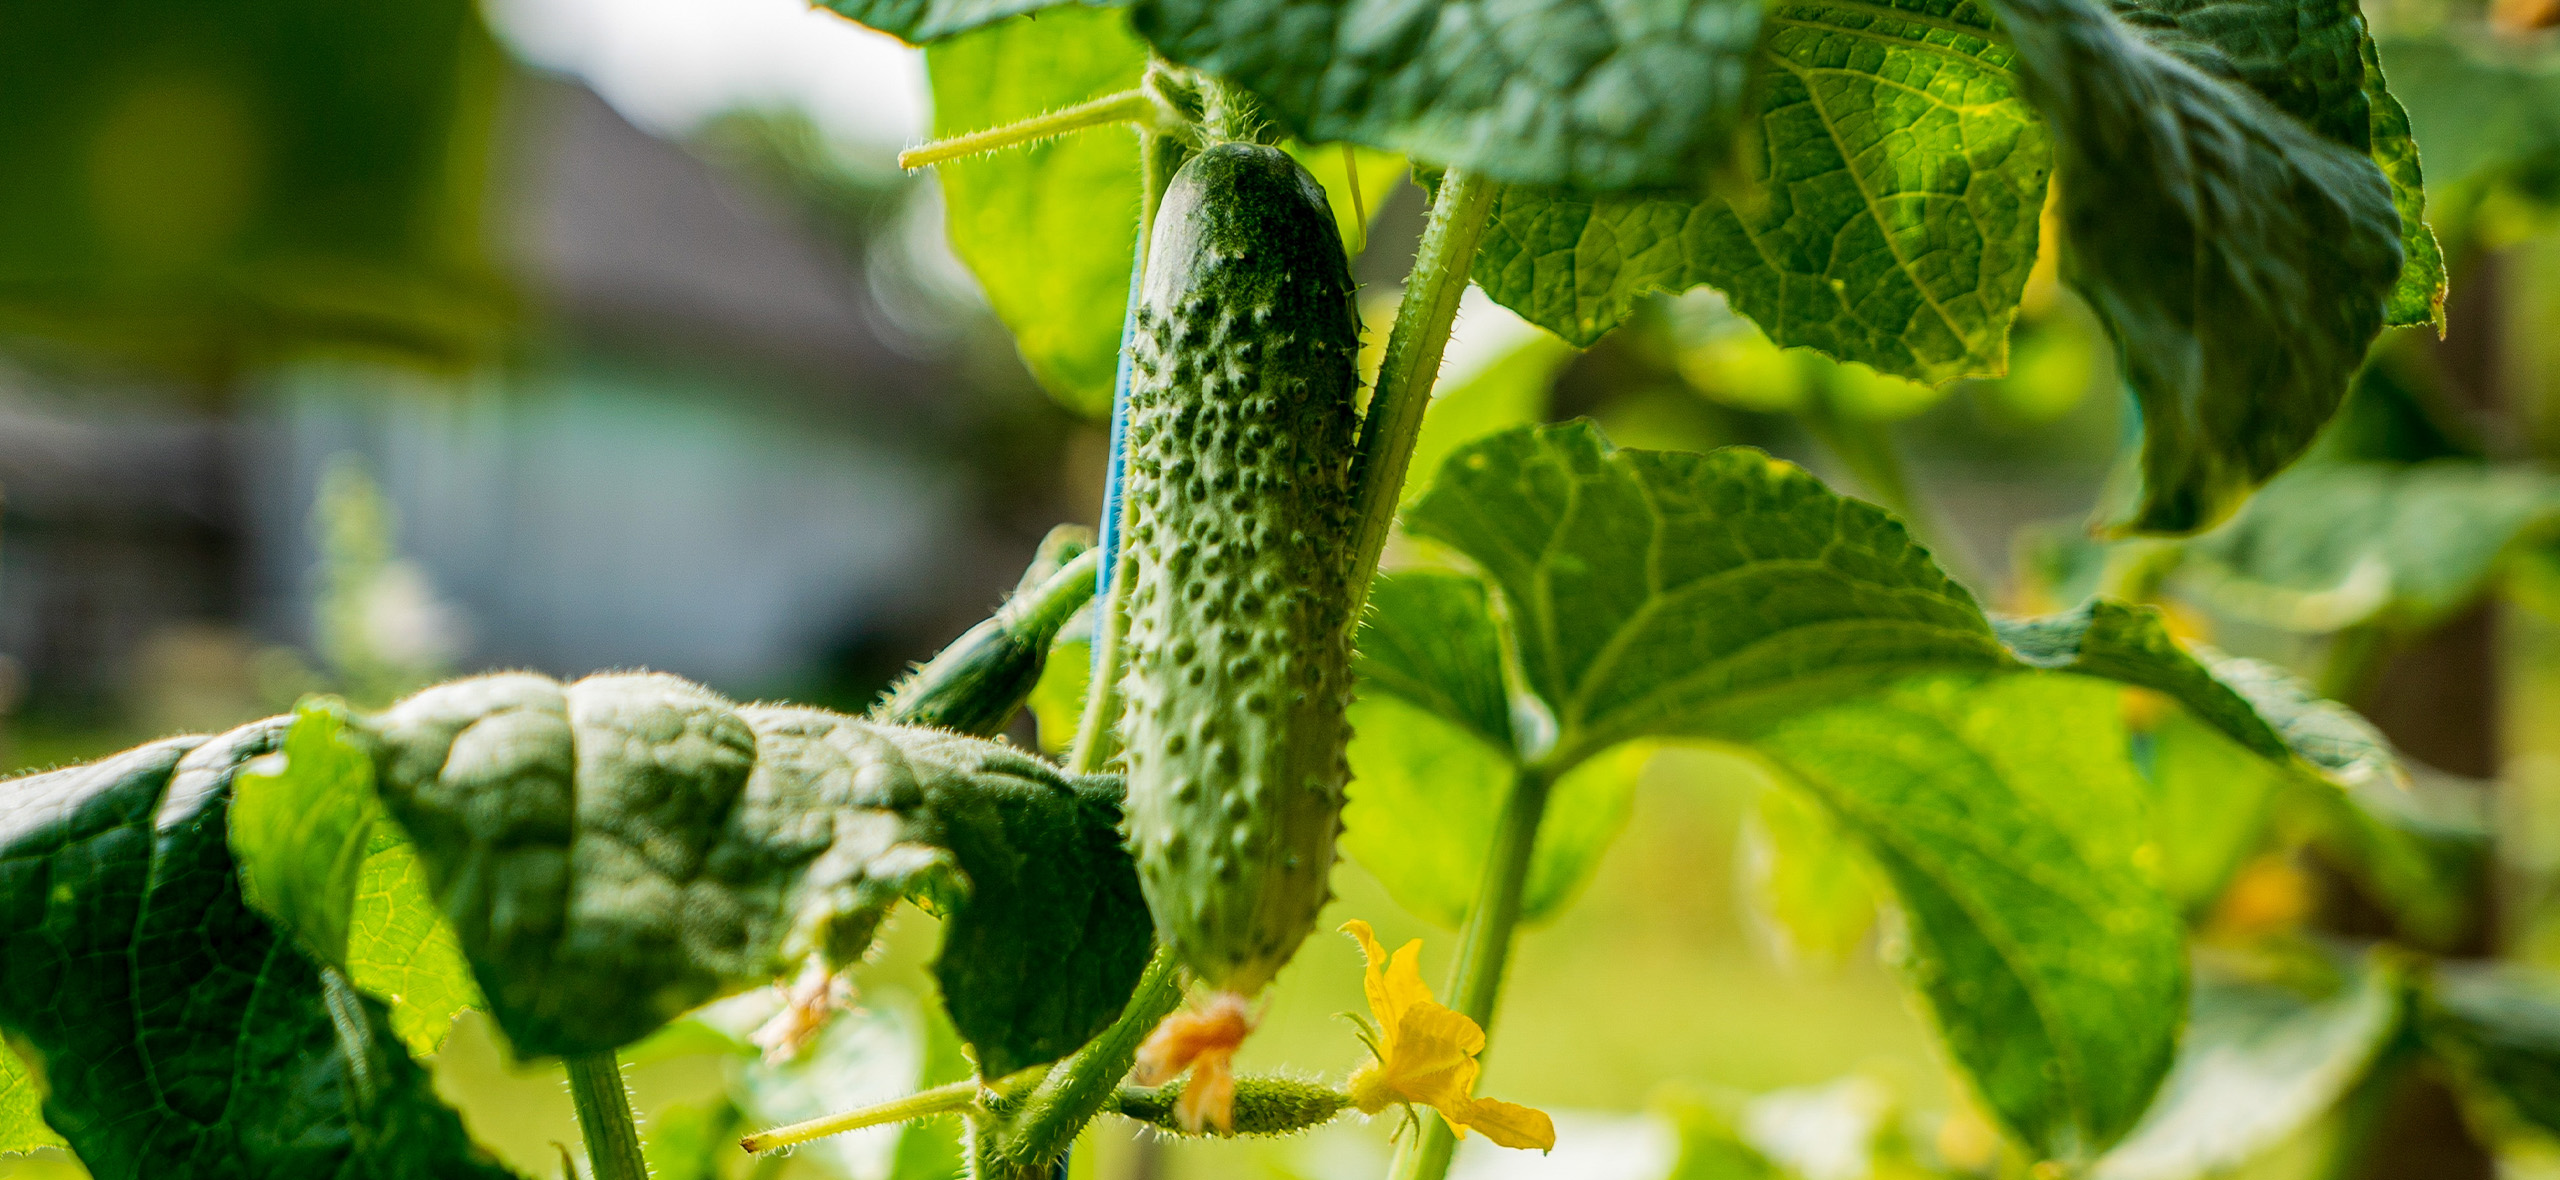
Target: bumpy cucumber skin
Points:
(1242, 424)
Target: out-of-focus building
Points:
(704, 446)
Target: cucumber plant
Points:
(225, 955)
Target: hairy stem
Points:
(604, 1117)
(1484, 948)
(1044, 1120)
(1128, 106)
(1097, 733)
(958, 1095)
(1412, 363)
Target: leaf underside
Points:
(180, 1034)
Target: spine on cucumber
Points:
(1241, 426)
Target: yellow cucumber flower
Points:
(1427, 1053)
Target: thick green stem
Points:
(923, 1104)
(604, 1117)
(1484, 948)
(1412, 363)
(1040, 1123)
(1127, 106)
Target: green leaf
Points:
(319, 859)
(1051, 230)
(616, 851)
(2260, 1063)
(2316, 62)
(301, 837)
(2405, 547)
(1711, 1148)
(1896, 180)
(2203, 222)
(22, 1127)
(919, 22)
(1430, 639)
(2007, 819)
(1509, 390)
(1057, 701)
(180, 1034)
(1539, 92)
(872, 1054)
(2498, 1025)
(2482, 116)
(1665, 593)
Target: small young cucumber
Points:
(1240, 437)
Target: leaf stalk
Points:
(604, 1117)
(1134, 105)
(958, 1095)
(1414, 348)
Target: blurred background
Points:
(344, 348)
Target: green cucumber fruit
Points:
(976, 685)
(1241, 429)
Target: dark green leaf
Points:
(618, 850)
(2260, 1063)
(1051, 230)
(2499, 1026)
(2405, 547)
(180, 1035)
(2204, 222)
(2316, 62)
(1539, 92)
(2006, 817)
(918, 22)
(1891, 218)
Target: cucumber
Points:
(976, 685)
(1241, 429)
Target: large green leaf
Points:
(2481, 115)
(2261, 1062)
(1728, 596)
(1891, 217)
(618, 850)
(1535, 91)
(319, 858)
(2204, 222)
(2315, 61)
(2005, 815)
(180, 1034)
(1050, 230)
(2211, 799)
(2405, 547)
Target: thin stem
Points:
(1412, 363)
(1127, 106)
(938, 1100)
(1359, 203)
(604, 1117)
(1484, 948)
(1097, 733)
(1046, 609)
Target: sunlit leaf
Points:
(1889, 218)
(920, 22)
(1380, 173)
(22, 1127)
(1050, 229)
(1806, 879)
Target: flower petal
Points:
(1374, 981)
(1507, 1123)
(1434, 1062)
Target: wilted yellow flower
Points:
(1427, 1053)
